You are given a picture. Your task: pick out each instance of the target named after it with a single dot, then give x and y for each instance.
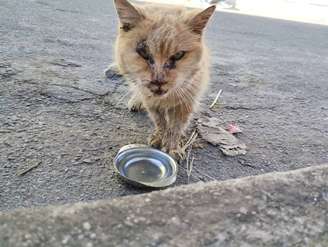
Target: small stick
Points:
(189, 165)
(26, 170)
(191, 140)
(216, 99)
(189, 170)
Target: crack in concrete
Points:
(79, 89)
(246, 108)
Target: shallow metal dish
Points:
(142, 165)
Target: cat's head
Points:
(160, 48)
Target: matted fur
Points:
(166, 30)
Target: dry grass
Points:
(189, 164)
(216, 99)
(191, 140)
(188, 146)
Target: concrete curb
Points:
(276, 209)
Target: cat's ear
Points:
(198, 22)
(128, 14)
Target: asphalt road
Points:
(58, 111)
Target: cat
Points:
(160, 50)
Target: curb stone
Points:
(275, 209)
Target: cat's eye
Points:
(171, 63)
(143, 51)
(179, 55)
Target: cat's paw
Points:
(135, 105)
(112, 72)
(178, 154)
(155, 140)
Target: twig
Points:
(189, 170)
(216, 99)
(26, 170)
(191, 140)
(189, 164)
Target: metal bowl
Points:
(142, 165)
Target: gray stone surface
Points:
(56, 107)
(276, 209)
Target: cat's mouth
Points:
(157, 90)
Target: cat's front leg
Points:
(112, 71)
(178, 119)
(158, 116)
(135, 102)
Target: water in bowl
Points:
(144, 170)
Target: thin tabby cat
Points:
(161, 52)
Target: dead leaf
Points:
(210, 130)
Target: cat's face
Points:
(161, 50)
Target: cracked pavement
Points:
(57, 108)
